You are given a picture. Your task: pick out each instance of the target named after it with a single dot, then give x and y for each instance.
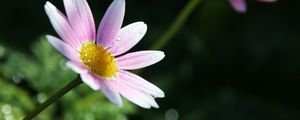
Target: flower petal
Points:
(136, 96)
(81, 19)
(239, 5)
(96, 83)
(64, 48)
(139, 83)
(90, 80)
(111, 23)
(77, 67)
(62, 26)
(139, 59)
(109, 91)
(128, 36)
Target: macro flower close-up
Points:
(149, 60)
(99, 58)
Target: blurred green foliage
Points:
(41, 74)
(44, 70)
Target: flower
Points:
(98, 58)
(240, 5)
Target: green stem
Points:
(176, 25)
(53, 98)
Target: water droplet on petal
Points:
(118, 38)
(153, 56)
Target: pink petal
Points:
(239, 5)
(77, 67)
(110, 92)
(128, 37)
(139, 59)
(81, 19)
(111, 23)
(139, 83)
(90, 80)
(96, 83)
(63, 48)
(136, 96)
(62, 26)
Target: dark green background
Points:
(221, 65)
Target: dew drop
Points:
(153, 56)
(118, 38)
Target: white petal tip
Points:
(146, 106)
(49, 37)
(161, 95)
(156, 107)
(143, 24)
(160, 55)
(140, 23)
(49, 5)
(158, 93)
(46, 7)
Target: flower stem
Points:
(53, 98)
(176, 25)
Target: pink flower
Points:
(99, 58)
(240, 5)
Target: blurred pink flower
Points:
(98, 58)
(240, 5)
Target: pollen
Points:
(99, 60)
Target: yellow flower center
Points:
(99, 60)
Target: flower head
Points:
(98, 58)
(240, 5)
